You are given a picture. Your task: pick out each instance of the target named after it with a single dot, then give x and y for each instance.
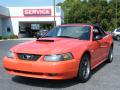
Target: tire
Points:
(84, 71)
(110, 55)
(118, 38)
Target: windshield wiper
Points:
(67, 37)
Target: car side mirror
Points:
(97, 37)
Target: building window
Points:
(8, 29)
(35, 26)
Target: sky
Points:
(17, 3)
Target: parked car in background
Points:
(65, 52)
(41, 33)
(116, 34)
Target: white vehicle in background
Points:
(116, 34)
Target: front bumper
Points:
(42, 69)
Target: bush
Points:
(0, 37)
(5, 37)
(13, 36)
(9, 37)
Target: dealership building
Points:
(28, 20)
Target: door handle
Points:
(103, 45)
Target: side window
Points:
(96, 31)
(102, 31)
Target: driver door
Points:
(96, 49)
(100, 47)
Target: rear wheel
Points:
(84, 71)
(118, 38)
(110, 55)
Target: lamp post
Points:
(116, 13)
(54, 12)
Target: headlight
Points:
(59, 57)
(10, 54)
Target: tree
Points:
(102, 12)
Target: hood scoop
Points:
(44, 40)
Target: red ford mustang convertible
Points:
(65, 52)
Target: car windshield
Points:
(76, 32)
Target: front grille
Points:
(25, 72)
(32, 57)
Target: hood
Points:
(48, 46)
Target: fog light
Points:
(8, 69)
(53, 74)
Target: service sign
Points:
(36, 12)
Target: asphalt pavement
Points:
(105, 77)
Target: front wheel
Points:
(84, 71)
(110, 55)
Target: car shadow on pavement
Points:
(101, 66)
(51, 83)
(45, 83)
